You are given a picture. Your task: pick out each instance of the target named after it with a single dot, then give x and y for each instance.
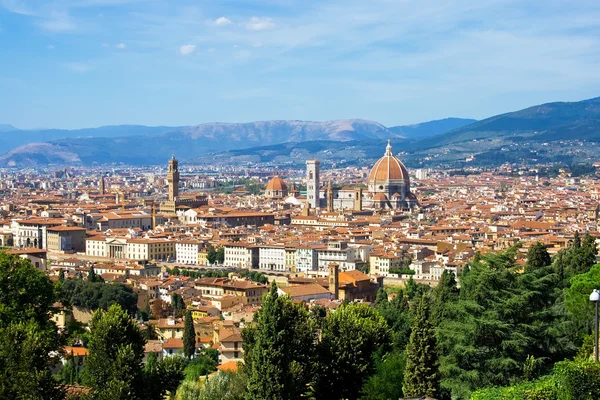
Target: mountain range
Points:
(535, 134)
(153, 145)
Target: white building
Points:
(271, 258)
(336, 252)
(240, 255)
(186, 251)
(306, 259)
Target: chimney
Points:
(334, 285)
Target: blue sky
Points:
(84, 63)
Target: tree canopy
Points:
(27, 335)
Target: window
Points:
(236, 354)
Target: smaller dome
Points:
(396, 195)
(276, 183)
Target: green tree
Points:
(27, 335)
(577, 296)
(397, 315)
(537, 257)
(69, 374)
(178, 304)
(501, 318)
(351, 337)
(577, 259)
(421, 376)
(385, 383)
(211, 255)
(116, 349)
(577, 240)
(92, 277)
(163, 376)
(189, 336)
(224, 386)
(61, 276)
(444, 295)
(220, 255)
(279, 349)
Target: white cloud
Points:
(187, 49)
(260, 24)
(121, 46)
(77, 67)
(58, 22)
(221, 21)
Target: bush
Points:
(578, 380)
(402, 271)
(542, 389)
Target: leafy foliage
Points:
(421, 376)
(189, 336)
(537, 257)
(279, 351)
(386, 382)
(224, 386)
(116, 349)
(27, 335)
(98, 295)
(351, 336)
(500, 319)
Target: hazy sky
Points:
(83, 63)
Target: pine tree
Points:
(537, 257)
(576, 240)
(421, 376)
(92, 277)
(279, 350)
(444, 295)
(189, 336)
(116, 350)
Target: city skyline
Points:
(83, 63)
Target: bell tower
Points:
(173, 178)
(313, 183)
(334, 280)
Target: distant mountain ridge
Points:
(153, 144)
(528, 135)
(431, 128)
(7, 128)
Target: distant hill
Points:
(546, 122)
(535, 134)
(10, 140)
(431, 128)
(543, 133)
(7, 128)
(144, 145)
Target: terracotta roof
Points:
(173, 343)
(230, 366)
(76, 351)
(305, 290)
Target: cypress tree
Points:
(92, 275)
(444, 294)
(279, 351)
(189, 336)
(421, 377)
(537, 257)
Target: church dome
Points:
(276, 184)
(388, 168)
